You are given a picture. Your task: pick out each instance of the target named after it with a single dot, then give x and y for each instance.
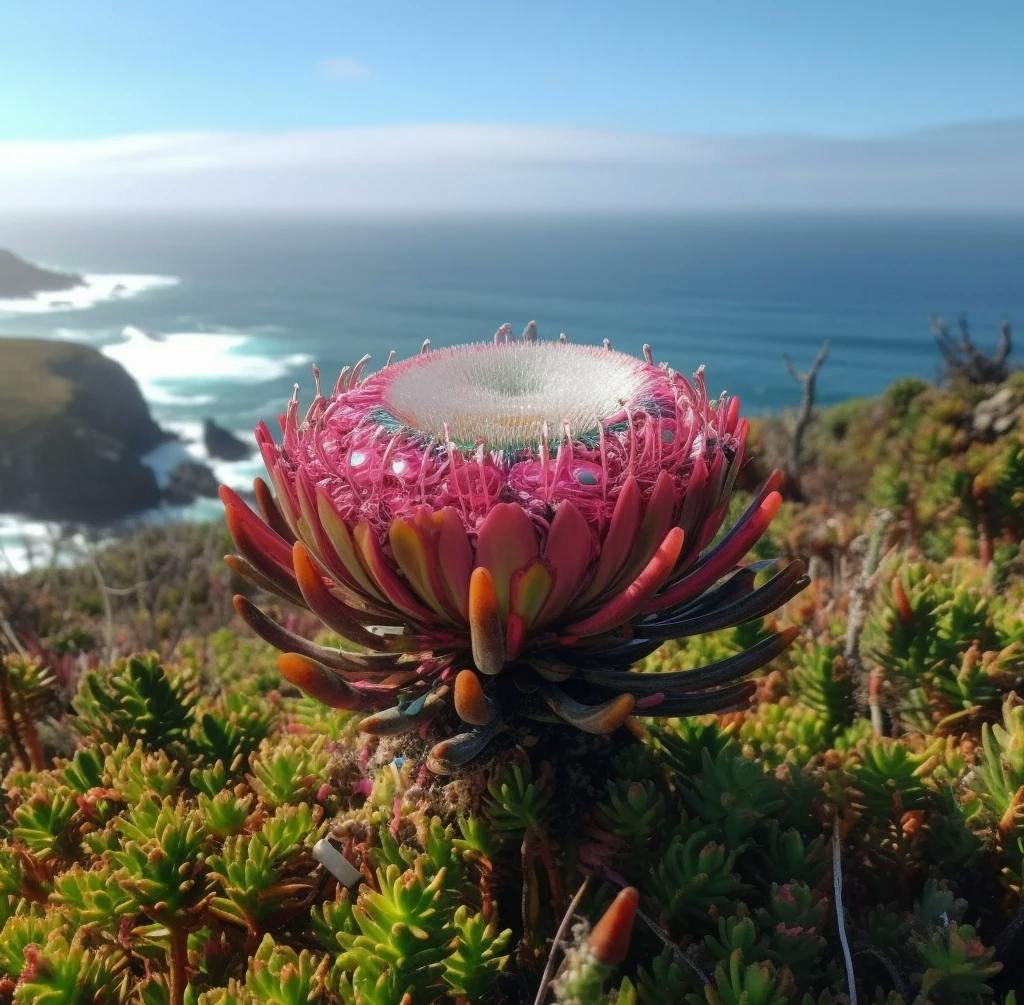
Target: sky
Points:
(476, 104)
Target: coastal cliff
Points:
(73, 427)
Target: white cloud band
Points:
(466, 167)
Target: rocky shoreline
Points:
(74, 432)
(19, 278)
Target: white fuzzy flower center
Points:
(504, 394)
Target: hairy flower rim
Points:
(512, 395)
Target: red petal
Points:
(414, 542)
(567, 553)
(721, 560)
(277, 587)
(385, 577)
(507, 542)
(628, 603)
(340, 536)
(595, 719)
(617, 542)
(259, 545)
(454, 557)
(318, 682)
(654, 526)
(271, 513)
(470, 701)
(331, 611)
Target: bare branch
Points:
(807, 382)
(1004, 346)
(108, 610)
(671, 946)
(861, 589)
(965, 362)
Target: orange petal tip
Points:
(470, 701)
(609, 938)
(771, 504)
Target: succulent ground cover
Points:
(859, 826)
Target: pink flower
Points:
(506, 528)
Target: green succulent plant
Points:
(268, 876)
(62, 971)
(136, 698)
(401, 941)
(693, 878)
(160, 827)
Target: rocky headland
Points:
(19, 278)
(222, 445)
(74, 428)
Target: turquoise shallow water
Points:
(256, 300)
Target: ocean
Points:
(219, 315)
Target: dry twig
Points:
(965, 361)
(549, 967)
(837, 886)
(860, 593)
(807, 382)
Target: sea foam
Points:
(190, 447)
(26, 544)
(96, 288)
(162, 363)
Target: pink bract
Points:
(540, 507)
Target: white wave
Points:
(84, 336)
(238, 475)
(26, 544)
(158, 397)
(190, 447)
(162, 362)
(96, 288)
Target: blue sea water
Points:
(734, 292)
(255, 300)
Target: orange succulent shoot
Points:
(500, 531)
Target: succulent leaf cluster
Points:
(164, 819)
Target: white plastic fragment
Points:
(336, 863)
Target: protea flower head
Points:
(502, 530)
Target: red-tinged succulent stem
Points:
(10, 719)
(985, 550)
(178, 963)
(547, 857)
(32, 743)
(530, 896)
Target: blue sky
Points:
(77, 69)
(675, 103)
